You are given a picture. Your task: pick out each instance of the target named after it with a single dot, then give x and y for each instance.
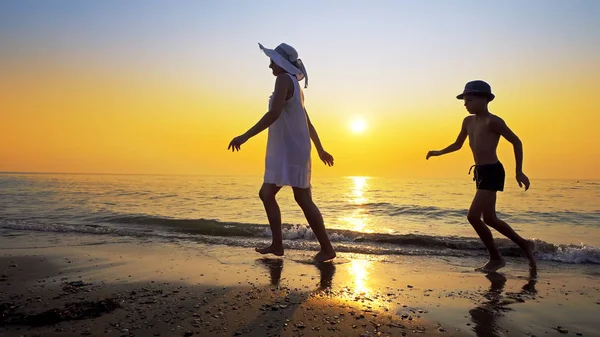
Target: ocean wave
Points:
(576, 254)
(302, 237)
(433, 212)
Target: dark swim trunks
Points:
(489, 176)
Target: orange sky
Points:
(163, 106)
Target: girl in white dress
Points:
(287, 160)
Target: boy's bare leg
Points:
(492, 220)
(267, 195)
(482, 201)
(303, 197)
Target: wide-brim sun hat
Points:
(286, 57)
(477, 87)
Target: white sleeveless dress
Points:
(288, 146)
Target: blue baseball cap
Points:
(477, 87)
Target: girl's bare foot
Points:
(529, 249)
(323, 256)
(277, 251)
(492, 266)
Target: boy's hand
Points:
(523, 180)
(326, 157)
(237, 142)
(432, 154)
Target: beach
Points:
(72, 285)
(129, 255)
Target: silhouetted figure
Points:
(484, 131)
(288, 160)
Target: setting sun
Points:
(358, 126)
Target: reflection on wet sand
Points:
(360, 272)
(485, 316)
(275, 267)
(363, 296)
(327, 270)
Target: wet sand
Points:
(50, 286)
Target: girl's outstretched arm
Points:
(282, 86)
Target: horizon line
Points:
(216, 175)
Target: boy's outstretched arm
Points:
(457, 145)
(500, 127)
(325, 157)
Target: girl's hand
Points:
(237, 142)
(326, 158)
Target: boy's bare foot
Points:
(528, 249)
(323, 256)
(277, 251)
(492, 266)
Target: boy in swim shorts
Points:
(484, 131)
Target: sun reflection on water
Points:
(358, 190)
(358, 220)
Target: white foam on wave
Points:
(303, 232)
(572, 254)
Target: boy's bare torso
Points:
(483, 140)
